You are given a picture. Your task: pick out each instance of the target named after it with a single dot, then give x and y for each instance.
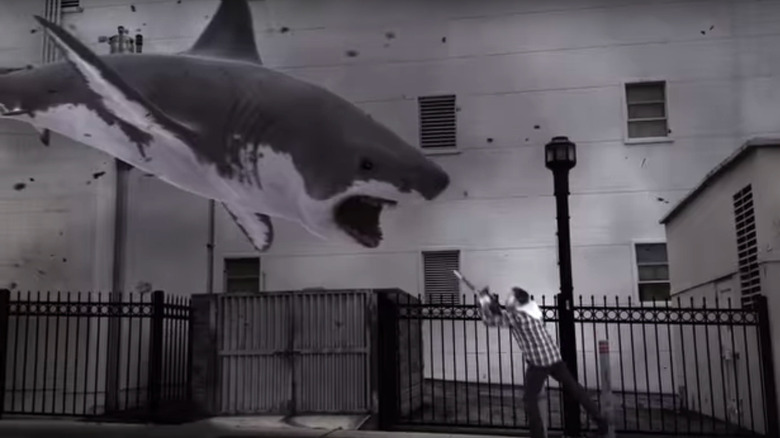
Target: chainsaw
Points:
(481, 294)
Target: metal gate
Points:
(293, 352)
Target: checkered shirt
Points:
(534, 340)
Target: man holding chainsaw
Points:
(524, 318)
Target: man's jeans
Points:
(534, 381)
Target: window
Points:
(747, 246)
(646, 109)
(437, 122)
(653, 272)
(441, 285)
(242, 274)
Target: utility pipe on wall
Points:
(210, 251)
(119, 43)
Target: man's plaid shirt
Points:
(535, 342)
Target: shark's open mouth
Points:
(358, 216)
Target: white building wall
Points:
(55, 200)
(701, 243)
(561, 64)
(768, 229)
(523, 72)
(56, 228)
(708, 229)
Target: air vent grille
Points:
(747, 246)
(438, 128)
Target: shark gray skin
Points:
(214, 122)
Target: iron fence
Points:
(692, 367)
(56, 351)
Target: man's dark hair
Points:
(521, 295)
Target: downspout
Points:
(120, 43)
(120, 225)
(210, 250)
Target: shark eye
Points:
(366, 164)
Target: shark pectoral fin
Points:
(230, 34)
(119, 98)
(257, 227)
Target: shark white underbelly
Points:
(163, 158)
(215, 123)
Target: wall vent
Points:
(747, 246)
(71, 6)
(441, 285)
(438, 128)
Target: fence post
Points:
(387, 339)
(156, 352)
(5, 310)
(113, 351)
(767, 358)
(607, 407)
(567, 333)
(190, 330)
(205, 363)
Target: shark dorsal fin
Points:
(229, 34)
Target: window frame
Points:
(260, 275)
(624, 107)
(635, 269)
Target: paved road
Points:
(41, 428)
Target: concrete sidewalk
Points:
(225, 427)
(212, 428)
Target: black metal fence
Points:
(691, 368)
(93, 354)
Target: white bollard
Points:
(606, 396)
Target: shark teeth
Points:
(358, 216)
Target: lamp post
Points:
(560, 156)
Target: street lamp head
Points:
(560, 153)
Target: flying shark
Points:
(213, 121)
